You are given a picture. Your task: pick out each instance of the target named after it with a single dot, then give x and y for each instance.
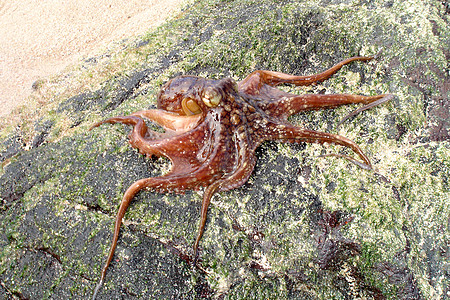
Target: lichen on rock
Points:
(303, 226)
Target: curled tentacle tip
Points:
(389, 97)
(341, 121)
(385, 98)
(97, 288)
(362, 165)
(376, 56)
(95, 125)
(195, 260)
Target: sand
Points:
(41, 38)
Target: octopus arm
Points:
(253, 82)
(287, 106)
(279, 104)
(162, 183)
(139, 126)
(385, 98)
(170, 121)
(177, 179)
(179, 143)
(296, 134)
(241, 174)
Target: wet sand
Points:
(40, 38)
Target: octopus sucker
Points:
(213, 127)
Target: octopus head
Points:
(191, 95)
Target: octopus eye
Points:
(211, 97)
(190, 107)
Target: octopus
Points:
(211, 129)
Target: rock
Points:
(302, 227)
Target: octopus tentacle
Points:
(139, 124)
(139, 131)
(239, 176)
(154, 183)
(350, 159)
(140, 136)
(253, 82)
(169, 120)
(292, 133)
(386, 98)
(207, 195)
(285, 107)
(167, 144)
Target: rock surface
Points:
(303, 227)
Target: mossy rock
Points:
(303, 226)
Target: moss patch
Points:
(303, 226)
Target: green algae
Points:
(261, 240)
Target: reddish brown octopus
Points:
(213, 127)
